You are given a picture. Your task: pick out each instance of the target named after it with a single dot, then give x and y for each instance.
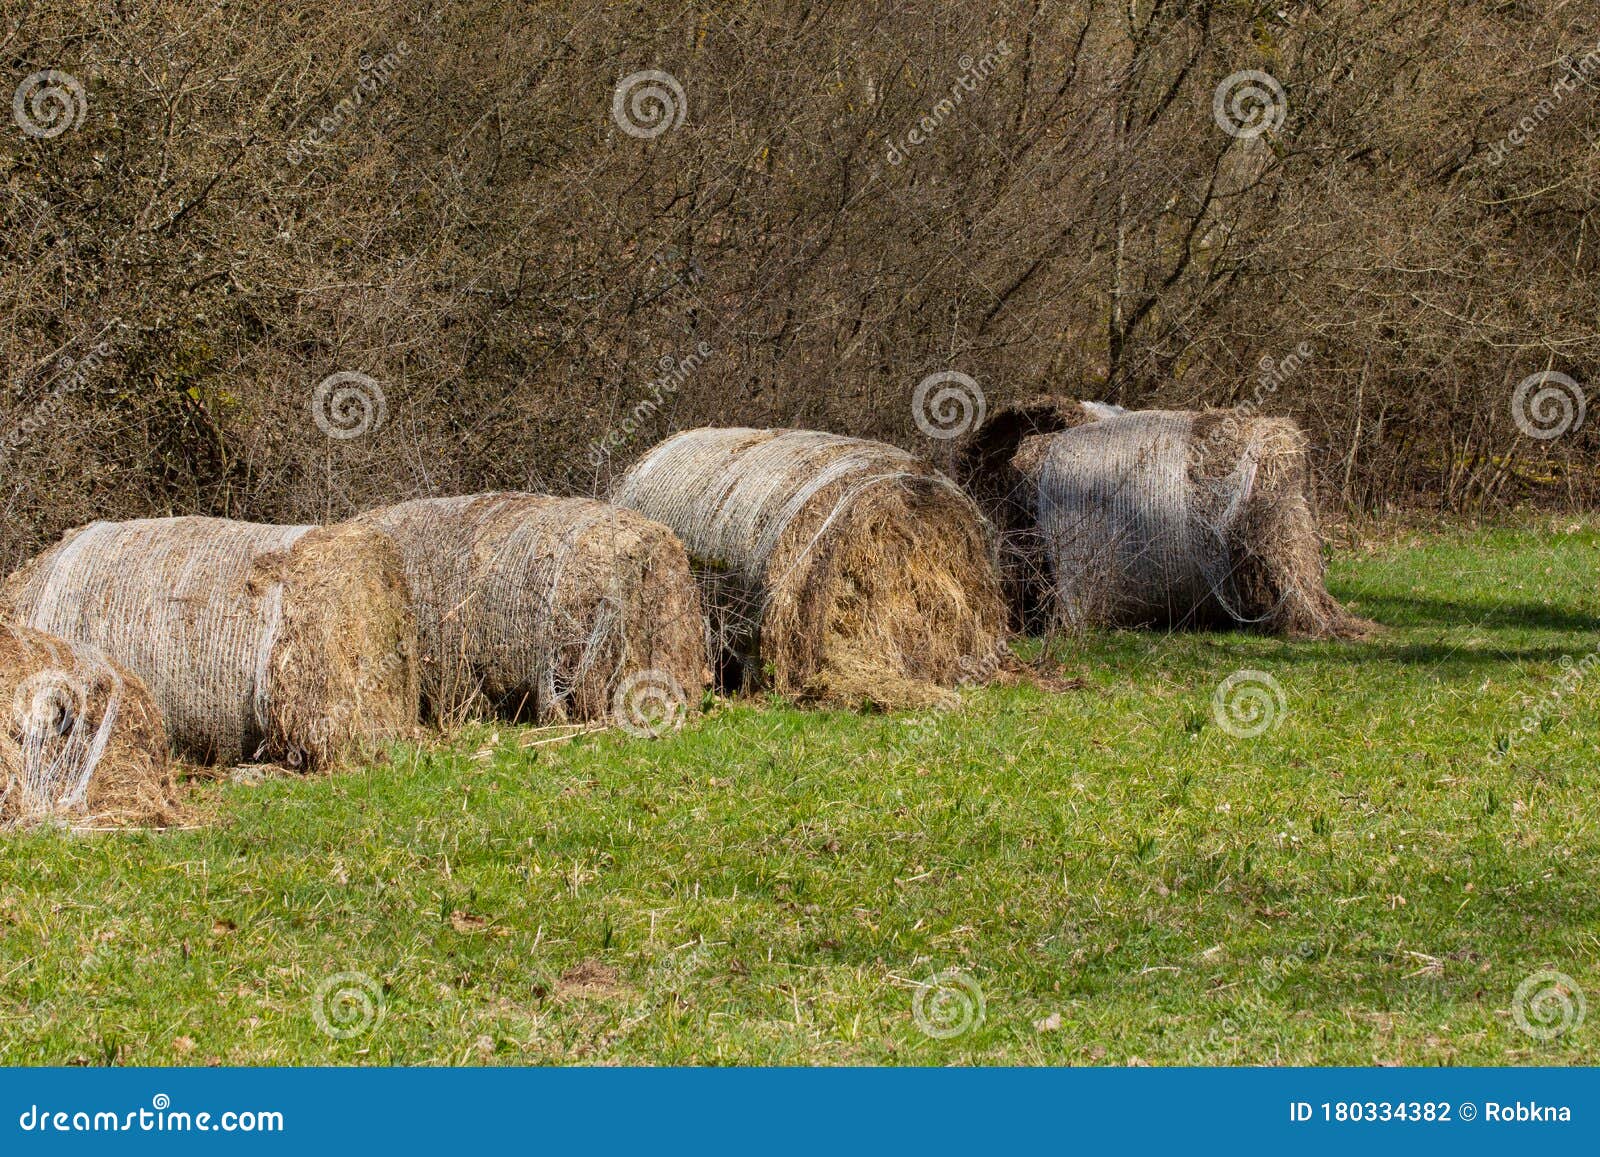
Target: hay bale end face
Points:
(280, 643)
(80, 737)
(1175, 518)
(541, 608)
(833, 568)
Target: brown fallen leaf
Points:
(1055, 683)
(591, 978)
(466, 923)
(1048, 1024)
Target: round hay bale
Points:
(832, 568)
(80, 737)
(285, 643)
(983, 465)
(541, 608)
(1181, 518)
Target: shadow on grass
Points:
(1407, 611)
(1206, 648)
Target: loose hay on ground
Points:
(1180, 518)
(833, 568)
(541, 608)
(81, 740)
(257, 642)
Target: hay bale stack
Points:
(1005, 495)
(541, 608)
(288, 643)
(832, 568)
(80, 738)
(1180, 518)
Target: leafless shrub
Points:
(484, 240)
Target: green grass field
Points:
(1111, 873)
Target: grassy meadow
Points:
(1099, 872)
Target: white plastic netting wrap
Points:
(540, 604)
(732, 493)
(62, 714)
(1131, 532)
(831, 566)
(182, 606)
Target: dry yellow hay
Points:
(542, 608)
(80, 738)
(276, 643)
(833, 568)
(1182, 519)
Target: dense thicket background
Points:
(486, 243)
